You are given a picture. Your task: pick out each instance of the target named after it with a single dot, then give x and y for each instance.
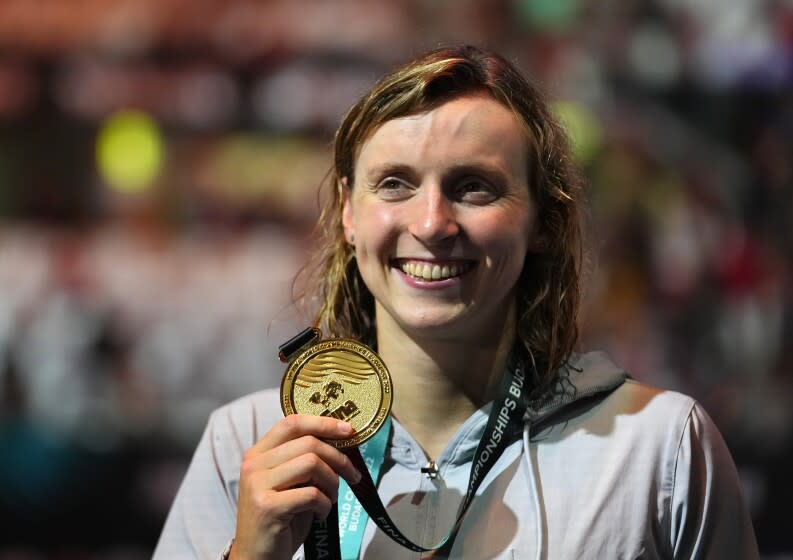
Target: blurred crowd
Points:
(114, 350)
(130, 308)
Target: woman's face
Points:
(441, 218)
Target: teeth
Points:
(425, 271)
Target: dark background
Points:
(159, 163)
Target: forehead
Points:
(470, 128)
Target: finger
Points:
(304, 499)
(334, 458)
(298, 425)
(307, 469)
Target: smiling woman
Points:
(453, 244)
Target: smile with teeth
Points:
(430, 271)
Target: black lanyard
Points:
(505, 420)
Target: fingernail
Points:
(345, 428)
(358, 476)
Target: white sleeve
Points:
(709, 519)
(202, 519)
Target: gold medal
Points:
(341, 378)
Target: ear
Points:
(345, 195)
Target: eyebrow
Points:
(480, 168)
(385, 169)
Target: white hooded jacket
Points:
(614, 469)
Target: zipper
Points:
(431, 470)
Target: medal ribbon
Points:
(352, 515)
(505, 420)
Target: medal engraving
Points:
(341, 378)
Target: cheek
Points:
(384, 217)
(376, 227)
(504, 240)
(503, 235)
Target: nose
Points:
(434, 220)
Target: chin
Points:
(435, 324)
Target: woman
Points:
(455, 247)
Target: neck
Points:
(438, 384)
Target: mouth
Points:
(433, 271)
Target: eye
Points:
(475, 190)
(393, 188)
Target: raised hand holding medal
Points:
(344, 379)
(316, 379)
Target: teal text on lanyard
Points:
(352, 515)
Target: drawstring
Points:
(533, 480)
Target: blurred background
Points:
(159, 168)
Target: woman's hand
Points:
(287, 479)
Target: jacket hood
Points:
(584, 377)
